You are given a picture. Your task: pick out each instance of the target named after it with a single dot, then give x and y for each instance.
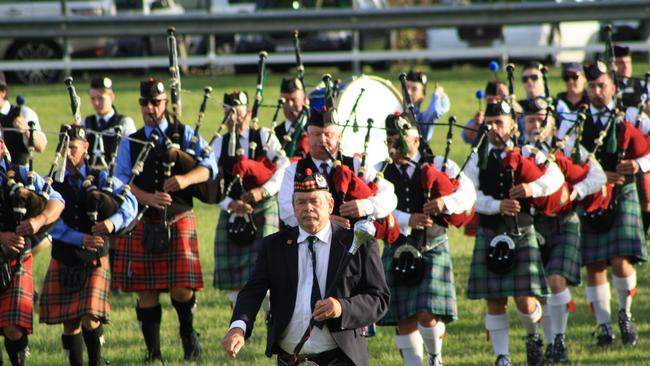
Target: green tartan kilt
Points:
(526, 279)
(561, 251)
(435, 294)
(624, 239)
(232, 262)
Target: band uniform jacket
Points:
(362, 291)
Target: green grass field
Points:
(466, 342)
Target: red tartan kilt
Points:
(135, 270)
(17, 301)
(643, 187)
(58, 305)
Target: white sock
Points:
(558, 305)
(433, 337)
(547, 326)
(497, 327)
(529, 321)
(625, 287)
(232, 296)
(599, 298)
(411, 347)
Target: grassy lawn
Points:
(466, 342)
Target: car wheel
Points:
(36, 50)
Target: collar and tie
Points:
(404, 169)
(324, 168)
(101, 123)
(315, 289)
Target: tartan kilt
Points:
(435, 294)
(17, 301)
(233, 263)
(136, 270)
(643, 187)
(561, 253)
(624, 239)
(526, 279)
(58, 305)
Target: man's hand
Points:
(253, 196)
(420, 220)
(31, 226)
(438, 90)
(240, 207)
(354, 209)
(329, 308)
(510, 207)
(434, 207)
(12, 241)
(340, 221)
(20, 123)
(92, 242)
(522, 190)
(103, 227)
(574, 195)
(233, 341)
(159, 200)
(478, 119)
(614, 178)
(175, 183)
(627, 167)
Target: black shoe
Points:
(191, 347)
(548, 355)
(502, 360)
(629, 334)
(604, 335)
(534, 353)
(154, 359)
(560, 354)
(434, 360)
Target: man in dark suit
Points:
(285, 267)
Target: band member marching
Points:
(291, 132)
(76, 287)
(423, 301)
(324, 136)
(416, 82)
(558, 231)
(161, 253)
(613, 234)
(508, 181)
(16, 232)
(234, 255)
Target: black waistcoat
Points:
(590, 132)
(152, 177)
(226, 163)
(280, 132)
(109, 141)
(307, 162)
(7, 218)
(74, 214)
(496, 181)
(563, 96)
(14, 139)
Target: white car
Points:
(46, 47)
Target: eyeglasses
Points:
(568, 77)
(533, 77)
(146, 101)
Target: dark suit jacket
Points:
(363, 292)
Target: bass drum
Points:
(379, 99)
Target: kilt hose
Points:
(624, 239)
(561, 251)
(526, 279)
(435, 294)
(57, 305)
(233, 262)
(179, 266)
(17, 300)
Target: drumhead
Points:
(379, 99)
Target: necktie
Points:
(497, 153)
(405, 174)
(324, 167)
(315, 289)
(101, 123)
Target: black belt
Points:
(335, 357)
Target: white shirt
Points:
(379, 205)
(29, 115)
(643, 161)
(321, 340)
(272, 186)
(545, 185)
(461, 200)
(595, 178)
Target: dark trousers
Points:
(335, 357)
